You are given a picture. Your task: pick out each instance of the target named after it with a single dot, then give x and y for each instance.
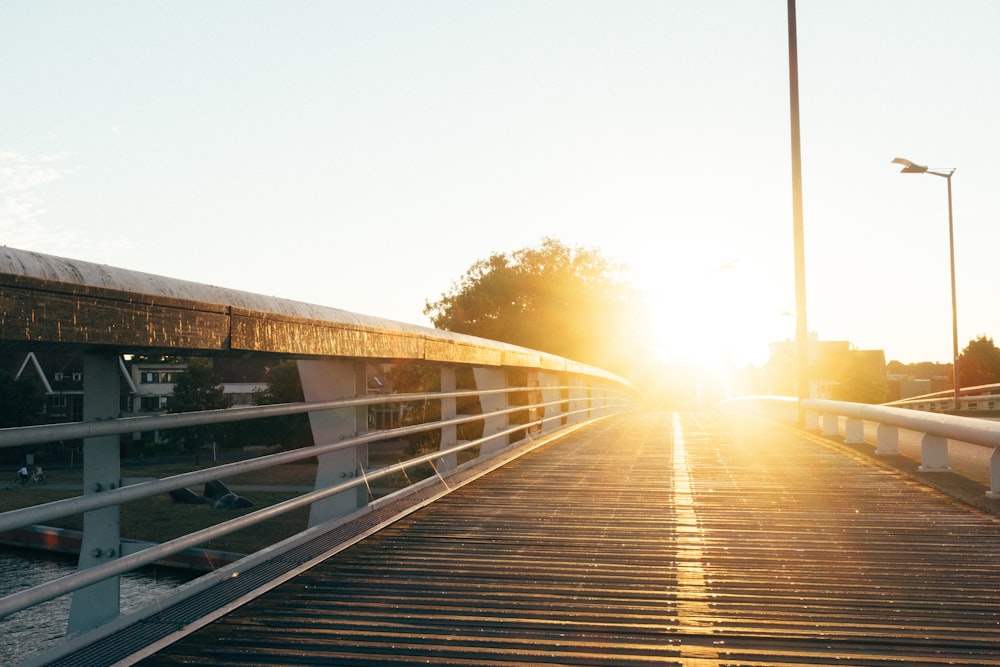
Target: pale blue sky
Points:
(363, 155)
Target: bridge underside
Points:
(646, 539)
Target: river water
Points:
(31, 631)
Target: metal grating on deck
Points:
(640, 540)
(135, 638)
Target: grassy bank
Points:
(160, 518)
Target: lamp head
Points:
(909, 167)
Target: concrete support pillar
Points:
(546, 381)
(812, 420)
(933, 454)
(994, 491)
(327, 380)
(578, 400)
(449, 410)
(600, 398)
(565, 395)
(487, 379)
(854, 431)
(887, 440)
(99, 603)
(532, 399)
(831, 425)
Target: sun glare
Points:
(717, 319)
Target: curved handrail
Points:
(936, 428)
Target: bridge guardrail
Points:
(936, 428)
(101, 312)
(597, 403)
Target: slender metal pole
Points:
(910, 167)
(801, 329)
(954, 302)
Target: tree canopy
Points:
(197, 388)
(564, 300)
(979, 363)
(20, 400)
(289, 431)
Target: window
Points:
(152, 403)
(158, 377)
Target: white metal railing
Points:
(100, 313)
(935, 429)
(979, 398)
(589, 401)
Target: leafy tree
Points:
(197, 388)
(979, 363)
(292, 431)
(416, 377)
(408, 377)
(283, 385)
(20, 401)
(860, 382)
(554, 298)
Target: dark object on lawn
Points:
(216, 489)
(187, 496)
(231, 501)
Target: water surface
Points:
(33, 630)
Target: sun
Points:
(714, 319)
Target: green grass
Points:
(160, 518)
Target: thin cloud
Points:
(21, 178)
(22, 204)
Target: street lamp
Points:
(912, 168)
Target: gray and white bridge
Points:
(573, 528)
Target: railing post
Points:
(99, 603)
(994, 491)
(812, 420)
(330, 380)
(887, 440)
(854, 431)
(578, 399)
(489, 379)
(564, 394)
(547, 381)
(831, 424)
(449, 410)
(933, 453)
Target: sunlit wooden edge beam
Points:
(53, 301)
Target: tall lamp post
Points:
(798, 235)
(912, 168)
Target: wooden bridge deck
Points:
(639, 540)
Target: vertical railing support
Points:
(565, 395)
(578, 400)
(99, 603)
(994, 491)
(547, 382)
(933, 453)
(331, 380)
(449, 410)
(831, 424)
(489, 379)
(854, 431)
(812, 420)
(887, 440)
